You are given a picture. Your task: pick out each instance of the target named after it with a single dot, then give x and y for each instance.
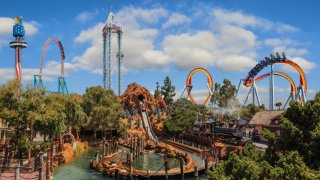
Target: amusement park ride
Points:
(37, 80)
(296, 94)
(189, 86)
(18, 44)
(112, 26)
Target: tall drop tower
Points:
(18, 44)
(112, 25)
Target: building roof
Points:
(265, 117)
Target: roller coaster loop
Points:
(189, 84)
(302, 89)
(62, 87)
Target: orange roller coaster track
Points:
(293, 86)
(302, 89)
(62, 87)
(189, 84)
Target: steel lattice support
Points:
(18, 44)
(271, 91)
(112, 26)
(107, 59)
(120, 56)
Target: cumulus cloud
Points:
(31, 28)
(238, 18)
(224, 50)
(199, 95)
(292, 50)
(276, 42)
(303, 63)
(86, 16)
(51, 71)
(285, 28)
(229, 41)
(175, 20)
(138, 47)
(241, 19)
(132, 15)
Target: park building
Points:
(5, 131)
(269, 120)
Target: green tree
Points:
(251, 164)
(157, 92)
(167, 90)
(300, 131)
(182, 115)
(224, 95)
(250, 110)
(103, 110)
(295, 155)
(51, 120)
(19, 109)
(75, 115)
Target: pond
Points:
(79, 167)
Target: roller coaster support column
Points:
(241, 80)
(184, 89)
(62, 86)
(37, 81)
(120, 56)
(255, 94)
(245, 101)
(301, 94)
(208, 86)
(271, 91)
(107, 59)
(290, 98)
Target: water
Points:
(79, 168)
(153, 162)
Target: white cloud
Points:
(138, 46)
(86, 16)
(241, 19)
(289, 47)
(303, 63)
(204, 48)
(7, 74)
(276, 42)
(291, 50)
(31, 28)
(285, 28)
(230, 45)
(132, 15)
(238, 18)
(51, 71)
(199, 95)
(175, 20)
(235, 63)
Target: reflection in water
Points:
(79, 168)
(153, 162)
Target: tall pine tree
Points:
(157, 92)
(167, 90)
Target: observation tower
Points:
(112, 25)
(18, 44)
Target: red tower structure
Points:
(18, 44)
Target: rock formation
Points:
(136, 93)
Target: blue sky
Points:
(165, 38)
